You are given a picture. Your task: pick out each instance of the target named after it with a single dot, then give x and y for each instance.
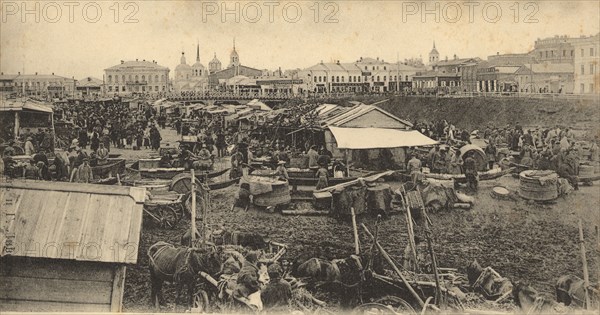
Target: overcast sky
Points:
(84, 43)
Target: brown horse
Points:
(181, 267)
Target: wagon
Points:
(165, 209)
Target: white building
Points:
(136, 77)
(586, 64)
(363, 75)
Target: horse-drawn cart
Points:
(165, 209)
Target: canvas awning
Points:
(378, 138)
(17, 106)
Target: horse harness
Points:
(180, 271)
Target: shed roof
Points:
(81, 222)
(18, 105)
(358, 111)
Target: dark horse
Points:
(181, 267)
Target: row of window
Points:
(136, 78)
(136, 88)
(571, 53)
(356, 78)
(375, 68)
(592, 69)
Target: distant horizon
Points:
(161, 30)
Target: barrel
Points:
(538, 185)
(280, 195)
(586, 170)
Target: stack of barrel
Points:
(538, 185)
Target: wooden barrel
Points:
(586, 171)
(182, 183)
(538, 185)
(280, 195)
(379, 198)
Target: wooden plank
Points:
(45, 306)
(90, 242)
(75, 214)
(133, 239)
(116, 301)
(55, 290)
(115, 236)
(26, 219)
(51, 214)
(55, 269)
(53, 245)
(74, 187)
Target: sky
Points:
(82, 38)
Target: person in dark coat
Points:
(95, 143)
(155, 138)
(278, 293)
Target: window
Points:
(377, 78)
(149, 79)
(564, 53)
(315, 79)
(591, 87)
(384, 67)
(373, 68)
(156, 78)
(372, 78)
(384, 78)
(337, 79)
(591, 68)
(110, 88)
(366, 68)
(572, 52)
(143, 78)
(591, 51)
(581, 52)
(116, 79)
(582, 69)
(541, 54)
(332, 79)
(406, 79)
(582, 88)
(123, 88)
(162, 79)
(546, 54)
(342, 78)
(136, 78)
(358, 79)
(143, 88)
(110, 79)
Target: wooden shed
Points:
(65, 246)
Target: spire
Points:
(182, 57)
(234, 43)
(198, 51)
(433, 44)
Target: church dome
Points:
(215, 61)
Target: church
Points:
(234, 69)
(194, 77)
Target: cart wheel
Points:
(399, 305)
(182, 183)
(199, 205)
(168, 217)
(200, 302)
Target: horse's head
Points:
(207, 259)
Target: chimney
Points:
(377, 58)
(497, 53)
(136, 59)
(144, 60)
(19, 73)
(52, 73)
(36, 73)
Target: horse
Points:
(570, 291)
(181, 267)
(532, 302)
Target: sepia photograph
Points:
(304, 157)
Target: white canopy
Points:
(378, 138)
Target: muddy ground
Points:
(523, 241)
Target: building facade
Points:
(586, 65)
(39, 85)
(89, 87)
(135, 77)
(546, 78)
(363, 75)
(190, 78)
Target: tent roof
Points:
(27, 105)
(378, 138)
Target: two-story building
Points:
(133, 77)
